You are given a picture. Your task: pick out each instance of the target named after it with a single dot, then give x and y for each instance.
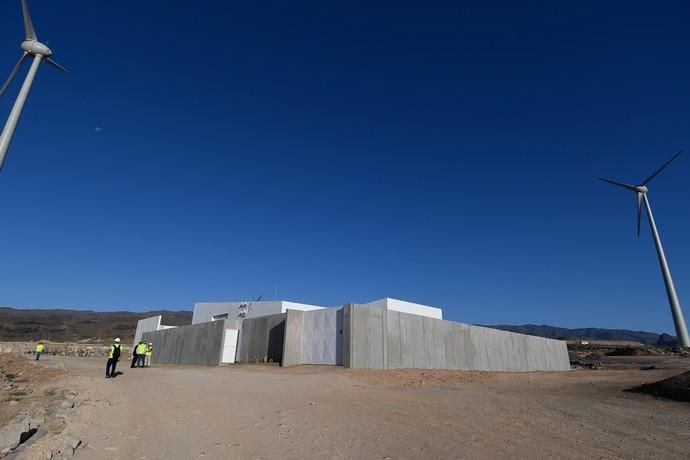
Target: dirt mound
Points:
(677, 388)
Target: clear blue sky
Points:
(438, 152)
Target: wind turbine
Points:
(40, 52)
(641, 191)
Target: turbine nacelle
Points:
(641, 188)
(40, 53)
(36, 48)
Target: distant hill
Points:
(57, 325)
(591, 333)
(78, 325)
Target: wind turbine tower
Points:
(641, 191)
(40, 52)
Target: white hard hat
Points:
(117, 339)
(150, 343)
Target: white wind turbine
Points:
(641, 191)
(40, 52)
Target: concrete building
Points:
(214, 311)
(383, 334)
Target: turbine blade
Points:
(28, 26)
(56, 65)
(639, 211)
(13, 74)
(647, 180)
(619, 184)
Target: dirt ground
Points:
(265, 412)
(24, 386)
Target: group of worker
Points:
(141, 356)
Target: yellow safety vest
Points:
(149, 351)
(112, 349)
(39, 348)
(141, 348)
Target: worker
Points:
(135, 357)
(113, 357)
(141, 353)
(39, 350)
(149, 352)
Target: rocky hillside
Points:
(591, 333)
(17, 325)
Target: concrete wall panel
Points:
(195, 344)
(392, 339)
(347, 335)
(292, 349)
(438, 357)
(262, 339)
(322, 340)
(366, 337)
(146, 325)
(394, 343)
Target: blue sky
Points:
(331, 152)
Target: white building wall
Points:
(299, 306)
(205, 311)
(149, 325)
(407, 307)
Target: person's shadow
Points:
(116, 374)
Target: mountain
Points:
(78, 325)
(591, 333)
(17, 325)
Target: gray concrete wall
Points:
(347, 335)
(292, 347)
(367, 326)
(381, 339)
(262, 339)
(322, 337)
(194, 344)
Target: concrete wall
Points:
(379, 339)
(322, 338)
(146, 325)
(261, 339)
(367, 332)
(292, 345)
(195, 344)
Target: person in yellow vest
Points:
(141, 353)
(113, 356)
(39, 350)
(149, 352)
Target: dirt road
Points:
(326, 412)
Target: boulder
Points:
(67, 404)
(15, 433)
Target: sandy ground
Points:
(327, 412)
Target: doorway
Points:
(229, 346)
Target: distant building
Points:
(383, 334)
